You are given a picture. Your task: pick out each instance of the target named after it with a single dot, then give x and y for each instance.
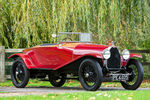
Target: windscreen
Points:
(74, 37)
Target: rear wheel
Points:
(134, 67)
(19, 74)
(57, 80)
(90, 74)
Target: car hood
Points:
(77, 46)
(91, 46)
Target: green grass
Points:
(99, 95)
(36, 83)
(70, 83)
(146, 72)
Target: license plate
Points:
(120, 77)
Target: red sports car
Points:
(90, 63)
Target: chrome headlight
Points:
(106, 54)
(125, 54)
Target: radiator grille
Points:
(114, 62)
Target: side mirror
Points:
(54, 35)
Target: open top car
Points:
(75, 57)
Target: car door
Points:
(51, 57)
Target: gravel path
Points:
(12, 91)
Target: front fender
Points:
(135, 55)
(27, 61)
(124, 62)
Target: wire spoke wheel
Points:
(134, 75)
(135, 69)
(90, 74)
(19, 74)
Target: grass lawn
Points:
(99, 95)
(71, 83)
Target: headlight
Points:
(106, 54)
(125, 54)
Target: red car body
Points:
(53, 57)
(89, 63)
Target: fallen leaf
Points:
(131, 95)
(52, 96)
(106, 95)
(76, 98)
(124, 94)
(92, 98)
(80, 86)
(98, 94)
(70, 81)
(109, 96)
(44, 96)
(129, 98)
(117, 99)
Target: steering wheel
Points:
(67, 39)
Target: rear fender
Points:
(27, 61)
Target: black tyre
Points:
(90, 74)
(57, 80)
(19, 74)
(134, 67)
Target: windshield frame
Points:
(80, 34)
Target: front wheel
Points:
(135, 69)
(90, 74)
(19, 74)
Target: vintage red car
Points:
(90, 63)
